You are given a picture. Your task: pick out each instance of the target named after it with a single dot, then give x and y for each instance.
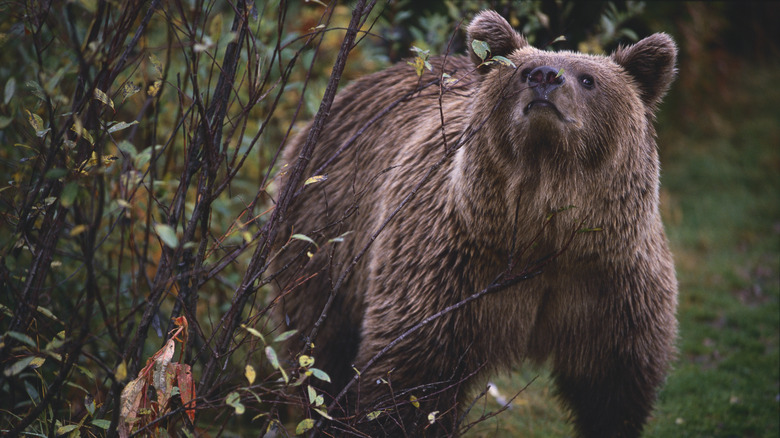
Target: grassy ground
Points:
(721, 195)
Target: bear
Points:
(462, 224)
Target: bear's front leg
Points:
(420, 375)
(610, 372)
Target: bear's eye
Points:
(587, 81)
(524, 74)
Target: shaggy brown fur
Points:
(520, 144)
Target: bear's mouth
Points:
(542, 103)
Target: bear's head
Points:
(576, 110)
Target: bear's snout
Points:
(543, 80)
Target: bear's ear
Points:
(651, 62)
(493, 29)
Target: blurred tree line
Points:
(139, 145)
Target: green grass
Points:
(721, 205)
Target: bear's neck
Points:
(496, 202)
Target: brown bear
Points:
(442, 187)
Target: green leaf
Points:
(270, 353)
(89, 403)
(47, 313)
(304, 426)
(339, 239)
(234, 400)
(18, 366)
(103, 424)
(167, 234)
(35, 89)
(253, 332)
(274, 360)
(10, 89)
(311, 393)
(21, 337)
(62, 430)
(285, 336)
(318, 373)
(373, 415)
(304, 238)
(55, 173)
(69, 193)
(121, 125)
(481, 49)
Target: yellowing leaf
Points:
(414, 401)
(128, 89)
(78, 229)
(418, 64)
(154, 88)
(121, 371)
(373, 415)
(432, 417)
(304, 426)
(315, 179)
(103, 97)
(504, 61)
(249, 373)
(323, 413)
(306, 361)
(78, 128)
(35, 121)
(131, 399)
(158, 68)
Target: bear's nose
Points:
(544, 79)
